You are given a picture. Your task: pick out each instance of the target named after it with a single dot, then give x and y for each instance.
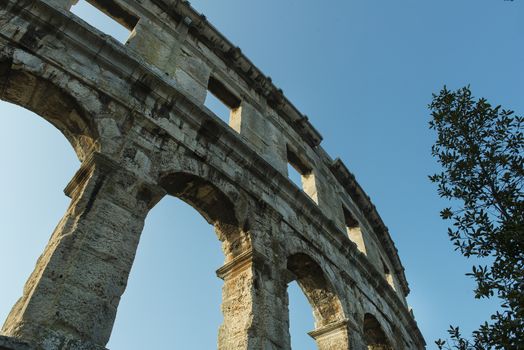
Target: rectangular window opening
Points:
(107, 17)
(387, 275)
(221, 101)
(301, 175)
(353, 230)
(294, 175)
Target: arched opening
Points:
(30, 84)
(52, 103)
(173, 292)
(374, 335)
(326, 305)
(301, 319)
(213, 205)
(37, 163)
(330, 324)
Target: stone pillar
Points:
(71, 298)
(260, 133)
(162, 48)
(254, 315)
(334, 336)
(157, 46)
(356, 339)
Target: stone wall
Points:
(135, 116)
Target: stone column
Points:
(71, 298)
(254, 314)
(334, 336)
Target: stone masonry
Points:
(134, 114)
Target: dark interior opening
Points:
(220, 91)
(386, 269)
(349, 219)
(296, 162)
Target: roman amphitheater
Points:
(134, 114)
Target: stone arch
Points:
(330, 321)
(221, 205)
(44, 165)
(50, 101)
(46, 95)
(217, 207)
(326, 304)
(374, 336)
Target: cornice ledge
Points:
(329, 329)
(355, 191)
(234, 58)
(238, 263)
(93, 161)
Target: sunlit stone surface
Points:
(135, 115)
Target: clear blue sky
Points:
(364, 72)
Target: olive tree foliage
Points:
(480, 149)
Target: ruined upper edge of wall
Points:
(180, 11)
(242, 65)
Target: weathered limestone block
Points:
(260, 133)
(163, 48)
(310, 186)
(254, 311)
(237, 303)
(63, 4)
(373, 251)
(75, 289)
(191, 86)
(332, 336)
(355, 235)
(7, 343)
(254, 302)
(157, 46)
(328, 200)
(192, 74)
